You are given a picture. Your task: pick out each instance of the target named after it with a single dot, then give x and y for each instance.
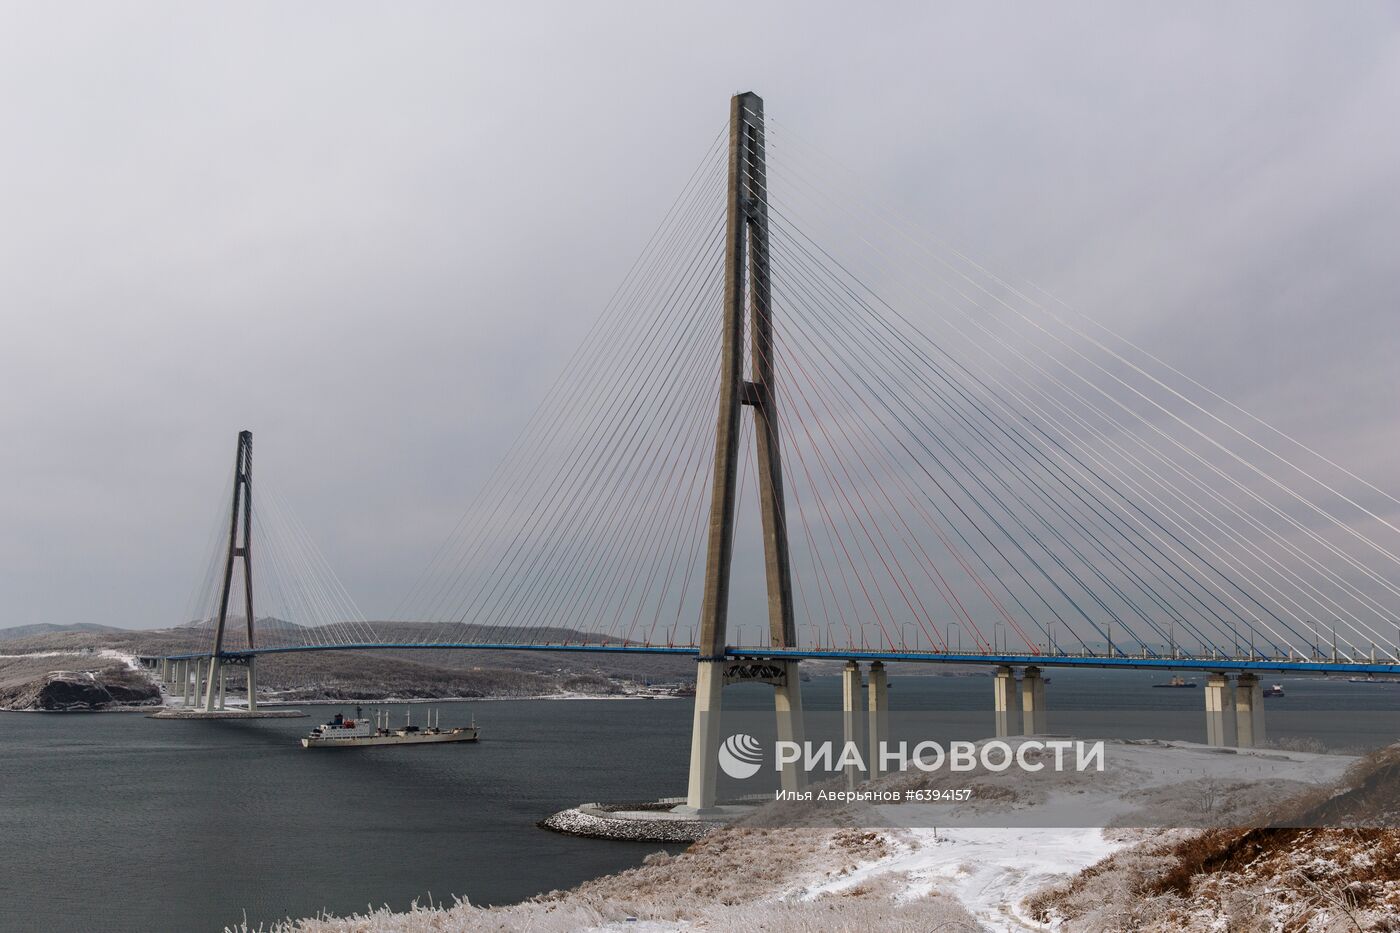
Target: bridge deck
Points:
(1313, 666)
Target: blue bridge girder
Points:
(1280, 665)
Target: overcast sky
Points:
(372, 233)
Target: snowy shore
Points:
(963, 878)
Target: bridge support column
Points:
(184, 667)
(216, 668)
(711, 675)
(1249, 711)
(704, 738)
(223, 684)
(787, 704)
(852, 714)
(879, 726)
(253, 686)
(1004, 702)
(1032, 702)
(1220, 705)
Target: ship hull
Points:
(365, 741)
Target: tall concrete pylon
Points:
(746, 285)
(241, 517)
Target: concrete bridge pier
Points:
(1220, 711)
(787, 704)
(1032, 702)
(253, 685)
(223, 684)
(711, 675)
(1249, 711)
(704, 735)
(879, 724)
(852, 714)
(1004, 701)
(184, 667)
(208, 695)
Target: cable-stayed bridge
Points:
(803, 428)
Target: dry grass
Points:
(1323, 864)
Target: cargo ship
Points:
(359, 732)
(1177, 681)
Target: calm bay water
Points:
(116, 822)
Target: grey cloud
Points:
(372, 234)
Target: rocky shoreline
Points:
(650, 822)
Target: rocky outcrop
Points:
(81, 691)
(643, 822)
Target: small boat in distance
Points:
(1177, 681)
(343, 732)
(1274, 690)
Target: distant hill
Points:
(234, 621)
(48, 628)
(403, 672)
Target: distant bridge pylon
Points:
(240, 521)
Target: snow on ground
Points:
(991, 870)
(109, 653)
(128, 659)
